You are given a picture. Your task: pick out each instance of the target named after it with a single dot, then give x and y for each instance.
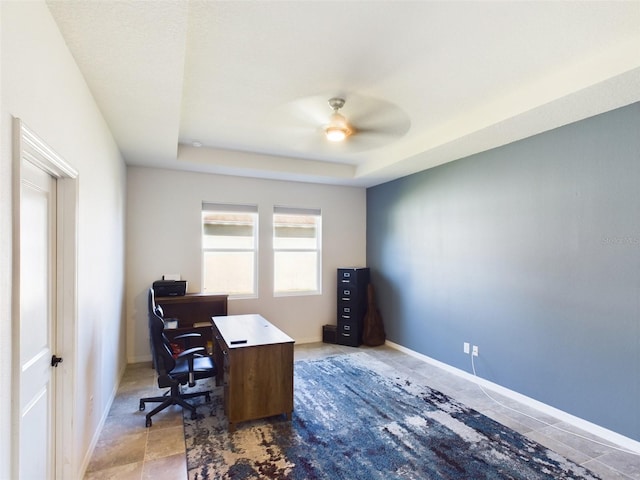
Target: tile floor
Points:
(127, 450)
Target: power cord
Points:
(473, 367)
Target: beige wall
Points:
(40, 84)
(163, 236)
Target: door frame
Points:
(28, 146)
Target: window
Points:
(229, 249)
(296, 250)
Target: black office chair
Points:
(186, 367)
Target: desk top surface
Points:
(240, 331)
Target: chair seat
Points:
(201, 366)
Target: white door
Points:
(37, 324)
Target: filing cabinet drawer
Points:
(346, 277)
(345, 293)
(349, 313)
(349, 334)
(348, 294)
(347, 328)
(352, 298)
(353, 276)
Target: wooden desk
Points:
(257, 375)
(190, 309)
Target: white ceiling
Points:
(249, 80)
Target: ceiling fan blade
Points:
(380, 117)
(308, 110)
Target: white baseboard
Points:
(103, 419)
(605, 434)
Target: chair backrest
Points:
(160, 348)
(151, 301)
(153, 306)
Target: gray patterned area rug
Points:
(355, 418)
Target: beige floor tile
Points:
(118, 451)
(173, 467)
(131, 471)
(116, 427)
(164, 442)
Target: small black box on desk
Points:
(330, 333)
(169, 288)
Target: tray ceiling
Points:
(241, 87)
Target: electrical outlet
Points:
(475, 351)
(466, 347)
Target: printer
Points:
(169, 288)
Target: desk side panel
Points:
(260, 382)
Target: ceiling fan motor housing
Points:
(336, 103)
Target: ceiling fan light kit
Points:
(337, 129)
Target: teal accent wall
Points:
(530, 251)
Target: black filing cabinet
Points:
(352, 304)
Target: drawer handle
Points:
(346, 327)
(346, 334)
(346, 309)
(346, 274)
(346, 292)
(346, 316)
(345, 299)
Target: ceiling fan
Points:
(356, 123)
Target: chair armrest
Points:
(190, 352)
(187, 335)
(187, 338)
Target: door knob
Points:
(55, 361)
